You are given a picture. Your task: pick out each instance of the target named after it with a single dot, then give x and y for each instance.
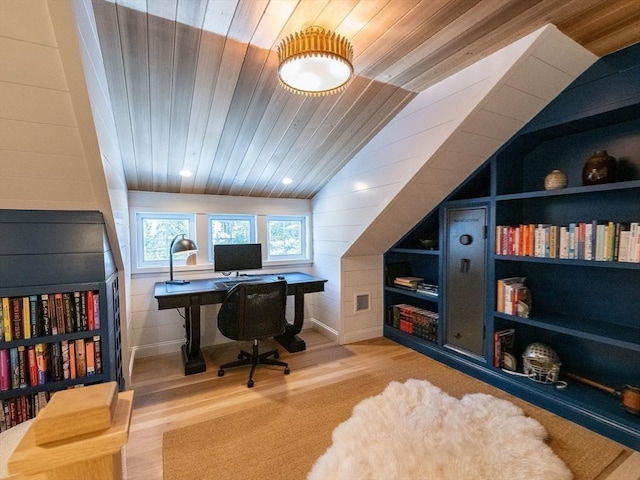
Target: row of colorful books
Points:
(416, 321)
(513, 297)
(48, 314)
(596, 240)
(14, 411)
(33, 365)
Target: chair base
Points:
(255, 358)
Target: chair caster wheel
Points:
(287, 371)
(220, 372)
(250, 384)
(276, 355)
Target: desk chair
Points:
(253, 311)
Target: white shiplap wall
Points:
(42, 160)
(435, 143)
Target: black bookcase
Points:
(588, 311)
(51, 252)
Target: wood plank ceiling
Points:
(194, 83)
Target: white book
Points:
(563, 249)
(623, 246)
(588, 241)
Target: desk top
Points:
(218, 284)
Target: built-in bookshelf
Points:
(59, 308)
(569, 251)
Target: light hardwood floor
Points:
(166, 399)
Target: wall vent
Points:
(362, 302)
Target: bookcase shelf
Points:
(51, 253)
(617, 335)
(585, 310)
(569, 262)
(619, 186)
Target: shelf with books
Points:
(59, 299)
(413, 293)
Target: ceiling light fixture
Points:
(315, 62)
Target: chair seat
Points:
(252, 311)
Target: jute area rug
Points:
(282, 438)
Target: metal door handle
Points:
(464, 265)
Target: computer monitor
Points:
(237, 257)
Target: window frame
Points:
(253, 229)
(304, 233)
(139, 237)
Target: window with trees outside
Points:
(155, 233)
(286, 237)
(231, 229)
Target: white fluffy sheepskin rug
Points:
(414, 430)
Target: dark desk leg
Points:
(192, 358)
(290, 339)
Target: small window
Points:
(231, 229)
(287, 237)
(155, 233)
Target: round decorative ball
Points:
(555, 180)
(599, 168)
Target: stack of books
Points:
(416, 321)
(427, 289)
(407, 282)
(513, 297)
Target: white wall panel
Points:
(38, 137)
(36, 104)
(28, 63)
(29, 24)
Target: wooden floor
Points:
(166, 399)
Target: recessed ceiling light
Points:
(185, 173)
(287, 180)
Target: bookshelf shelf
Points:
(416, 251)
(585, 310)
(617, 335)
(608, 187)
(413, 293)
(569, 262)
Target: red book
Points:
(33, 365)
(5, 370)
(90, 319)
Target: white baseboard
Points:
(365, 334)
(154, 349)
(325, 330)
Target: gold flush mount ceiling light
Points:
(315, 62)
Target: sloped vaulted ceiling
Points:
(193, 82)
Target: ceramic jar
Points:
(599, 168)
(555, 180)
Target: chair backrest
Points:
(254, 310)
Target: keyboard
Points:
(235, 281)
